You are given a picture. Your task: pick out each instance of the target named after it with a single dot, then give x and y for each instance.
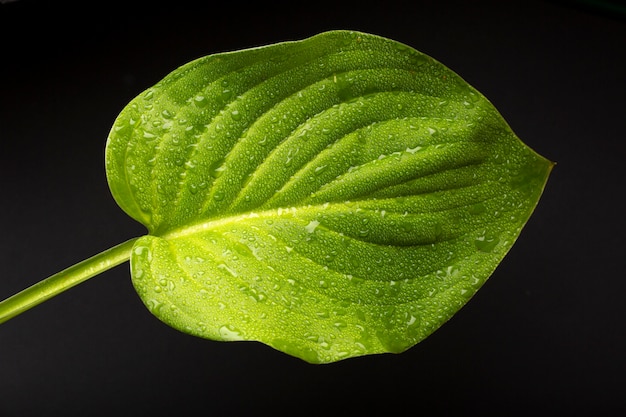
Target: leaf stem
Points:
(64, 280)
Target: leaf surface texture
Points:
(332, 197)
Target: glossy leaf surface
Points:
(332, 197)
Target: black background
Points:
(544, 336)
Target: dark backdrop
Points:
(544, 336)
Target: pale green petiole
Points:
(64, 280)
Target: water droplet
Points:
(340, 324)
(235, 115)
(167, 285)
(401, 47)
(354, 280)
(486, 242)
(154, 305)
(310, 228)
(354, 260)
(226, 95)
(438, 230)
(217, 168)
(413, 150)
(477, 208)
(230, 333)
(417, 60)
(320, 169)
(322, 314)
(224, 267)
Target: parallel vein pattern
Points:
(331, 197)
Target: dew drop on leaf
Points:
(229, 333)
(486, 243)
(235, 115)
(310, 228)
(477, 208)
(218, 196)
(200, 101)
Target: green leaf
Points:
(332, 197)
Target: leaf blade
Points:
(346, 194)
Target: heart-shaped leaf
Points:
(332, 197)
